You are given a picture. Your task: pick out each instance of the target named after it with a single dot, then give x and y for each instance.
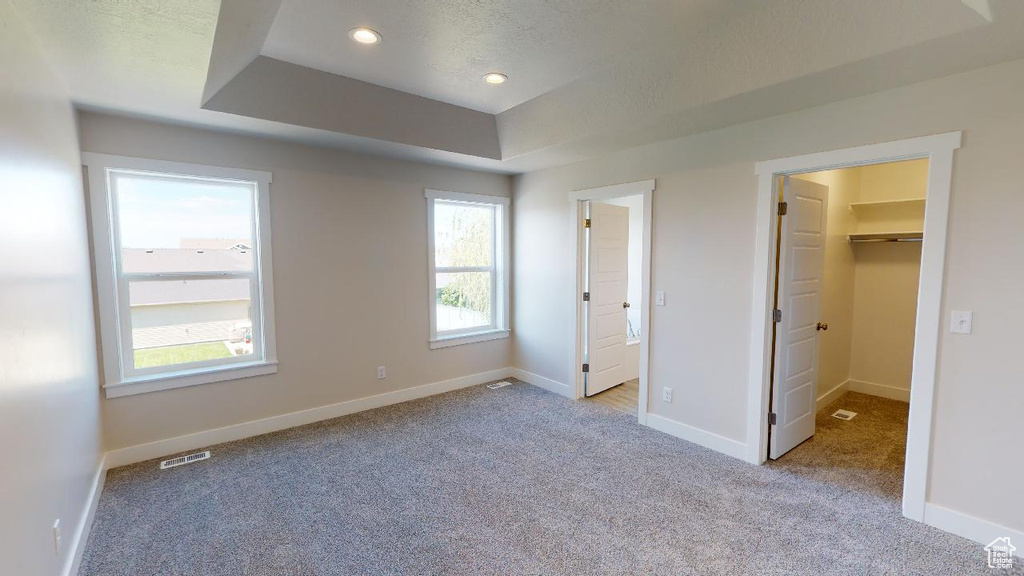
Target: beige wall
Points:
(885, 297)
(885, 311)
(350, 279)
(49, 396)
(703, 244)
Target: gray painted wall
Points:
(350, 279)
(49, 394)
(703, 250)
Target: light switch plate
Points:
(659, 298)
(960, 321)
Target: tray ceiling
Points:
(585, 76)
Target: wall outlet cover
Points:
(961, 321)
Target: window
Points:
(468, 253)
(183, 273)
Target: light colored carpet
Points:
(509, 481)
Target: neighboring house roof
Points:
(139, 260)
(214, 243)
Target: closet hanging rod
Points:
(879, 240)
(886, 237)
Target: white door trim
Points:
(939, 150)
(576, 198)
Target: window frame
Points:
(499, 269)
(121, 378)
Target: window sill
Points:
(180, 379)
(468, 338)
(632, 342)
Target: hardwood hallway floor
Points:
(623, 397)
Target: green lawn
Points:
(168, 355)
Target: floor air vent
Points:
(182, 460)
(844, 414)
(497, 385)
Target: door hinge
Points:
(777, 315)
(783, 208)
(586, 367)
(586, 223)
(586, 296)
(772, 419)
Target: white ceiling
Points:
(442, 48)
(586, 76)
(133, 56)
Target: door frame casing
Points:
(576, 199)
(938, 149)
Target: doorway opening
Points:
(847, 277)
(766, 382)
(612, 237)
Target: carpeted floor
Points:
(520, 481)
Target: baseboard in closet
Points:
(832, 395)
(870, 388)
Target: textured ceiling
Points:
(142, 56)
(586, 76)
(442, 48)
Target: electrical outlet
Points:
(382, 373)
(666, 395)
(659, 298)
(56, 537)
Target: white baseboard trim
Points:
(542, 382)
(704, 438)
(833, 394)
(890, 392)
(81, 537)
(148, 451)
(981, 531)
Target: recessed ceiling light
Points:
(495, 78)
(364, 35)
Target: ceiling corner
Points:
(242, 28)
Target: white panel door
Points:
(606, 311)
(801, 270)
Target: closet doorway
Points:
(847, 274)
(789, 368)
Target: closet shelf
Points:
(856, 207)
(865, 237)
